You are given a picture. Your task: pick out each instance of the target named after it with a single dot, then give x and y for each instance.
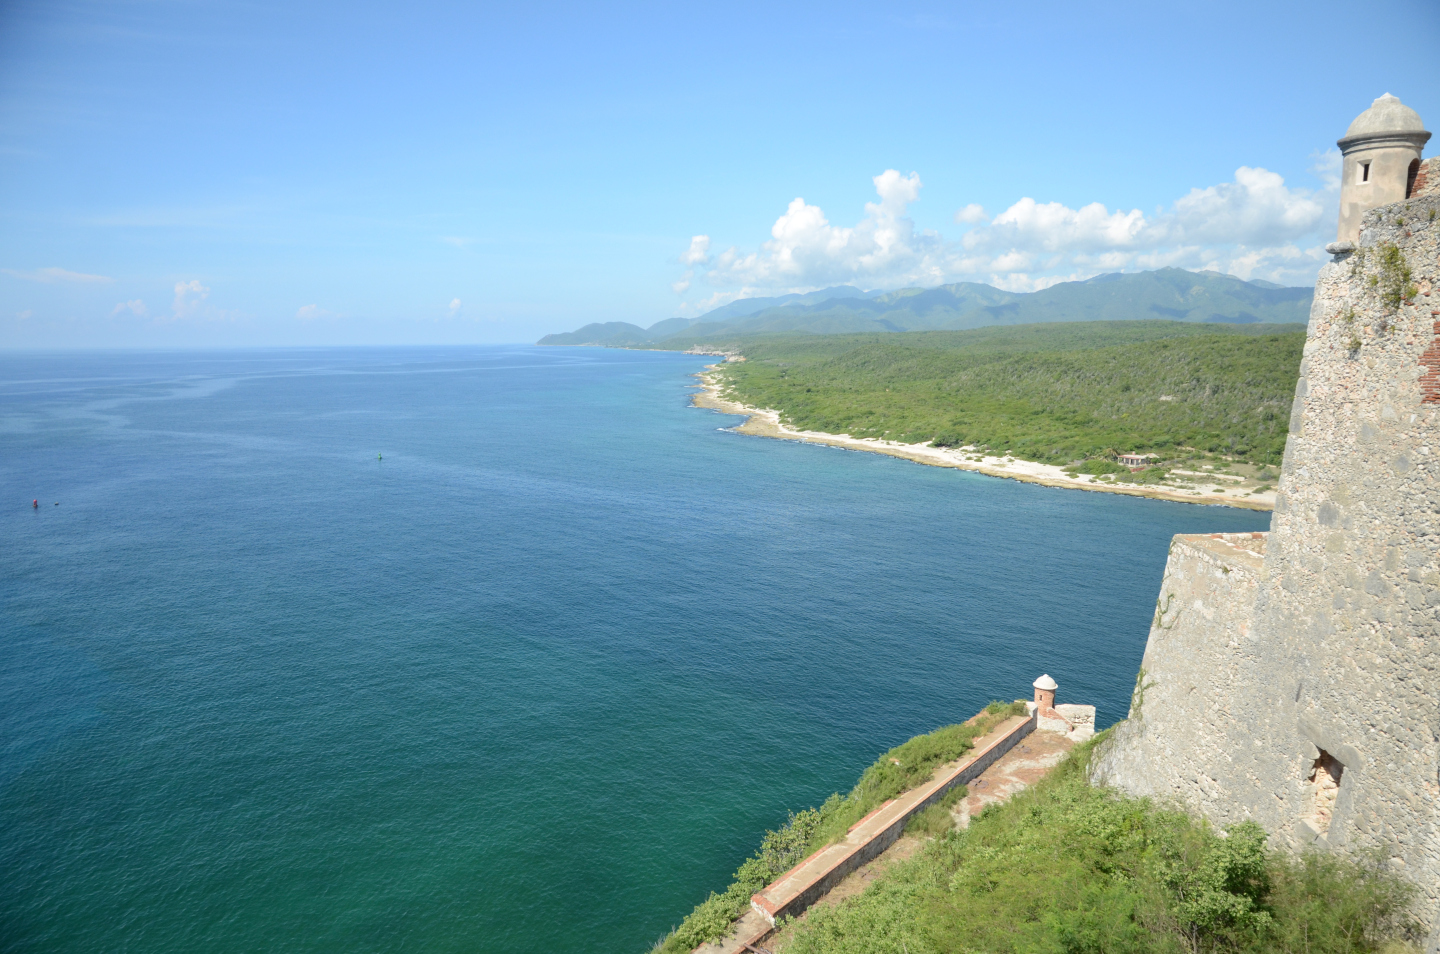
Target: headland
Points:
(765, 422)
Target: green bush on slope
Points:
(902, 768)
(1067, 867)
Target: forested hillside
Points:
(1053, 393)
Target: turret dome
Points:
(1045, 682)
(1387, 116)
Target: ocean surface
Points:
(537, 680)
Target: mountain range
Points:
(1169, 293)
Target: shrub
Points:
(1069, 867)
(1098, 467)
(1150, 475)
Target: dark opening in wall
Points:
(1324, 790)
(1364, 172)
(1410, 178)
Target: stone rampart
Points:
(1323, 724)
(795, 890)
(1183, 718)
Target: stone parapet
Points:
(801, 886)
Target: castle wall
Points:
(1187, 713)
(1350, 609)
(1336, 677)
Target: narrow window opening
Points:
(1410, 178)
(1364, 172)
(1324, 789)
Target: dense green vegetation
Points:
(1069, 868)
(1054, 393)
(900, 769)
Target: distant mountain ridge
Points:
(1171, 293)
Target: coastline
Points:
(763, 422)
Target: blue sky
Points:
(185, 173)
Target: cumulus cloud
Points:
(454, 307)
(136, 308)
(699, 251)
(1257, 208)
(1255, 226)
(1053, 227)
(971, 214)
(50, 276)
(806, 249)
(189, 299)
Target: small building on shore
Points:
(1137, 461)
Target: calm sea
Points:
(537, 680)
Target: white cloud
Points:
(1327, 166)
(26, 314)
(1022, 282)
(1053, 227)
(50, 276)
(971, 214)
(699, 251)
(806, 250)
(1255, 226)
(315, 313)
(1256, 208)
(454, 307)
(189, 299)
(136, 308)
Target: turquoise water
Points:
(535, 681)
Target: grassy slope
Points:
(1052, 393)
(1066, 867)
(900, 769)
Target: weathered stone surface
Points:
(1186, 715)
(1302, 691)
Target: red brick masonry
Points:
(1430, 361)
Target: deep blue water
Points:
(536, 681)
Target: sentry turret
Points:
(1382, 158)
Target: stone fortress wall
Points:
(1188, 712)
(1295, 680)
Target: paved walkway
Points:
(1019, 768)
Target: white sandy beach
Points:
(1207, 489)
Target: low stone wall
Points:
(813, 878)
(1182, 719)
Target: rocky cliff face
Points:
(1308, 698)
